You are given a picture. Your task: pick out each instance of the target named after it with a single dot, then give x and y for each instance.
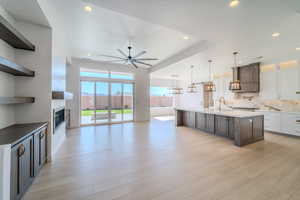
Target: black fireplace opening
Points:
(59, 117)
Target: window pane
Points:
(160, 97)
(120, 75)
(93, 74)
(127, 102)
(87, 102)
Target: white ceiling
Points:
(246, 28)
(103, 31)
(159, 26)
(28, 10)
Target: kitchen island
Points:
(240, 126)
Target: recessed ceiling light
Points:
(234, 3)
(298, 49)
(186, 37)
(88, 8)
(275, 34)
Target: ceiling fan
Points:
(129, 59)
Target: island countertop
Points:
(237, 114)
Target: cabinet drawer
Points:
(290, 124)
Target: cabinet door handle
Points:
(21, 150)
(298, 121)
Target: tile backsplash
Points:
(248, 100)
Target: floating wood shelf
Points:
(16, 100)
(14, 69)
(13, 37)
(62, 95)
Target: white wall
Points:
(142, 83)
(60, 52)
(5, 156)
(40, 85)
(73, 86)
(7, 81)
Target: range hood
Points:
(62, 95)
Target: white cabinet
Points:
(269, 82)
(282, 122)
(289, 82)
(272, 121)
(290, 123)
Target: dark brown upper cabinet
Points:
(249, 76)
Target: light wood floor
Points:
(141, 161)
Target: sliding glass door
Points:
(127, 102)
(106, 102)
(87, 102)
(102, 103)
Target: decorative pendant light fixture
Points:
(210, 86)
(235, 84)
(175, 90)
(192, 87)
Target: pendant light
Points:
(210, 86)
(192, 87)
(235, 84)
(175, 90)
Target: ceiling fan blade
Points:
(109, 61)
(121, 52)
(110, 56)
(139, 54)
(146, 59)
(140, 62)
(134, 64)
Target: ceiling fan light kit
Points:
(135, 60)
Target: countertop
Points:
(15, 133)
(273, 111)
(238, 114)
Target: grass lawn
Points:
(90, 112)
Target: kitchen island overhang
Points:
(240, 126)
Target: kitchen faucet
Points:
(221, 101)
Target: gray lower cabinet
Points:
(258, 126)
(188, 119)
(40, 150)
(21, 168)
(210, 123)
(200, 121)
(231, 128)
(205, 122)
(27, 158)
(221, 126)
(250, 129)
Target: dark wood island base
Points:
(241, 127)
